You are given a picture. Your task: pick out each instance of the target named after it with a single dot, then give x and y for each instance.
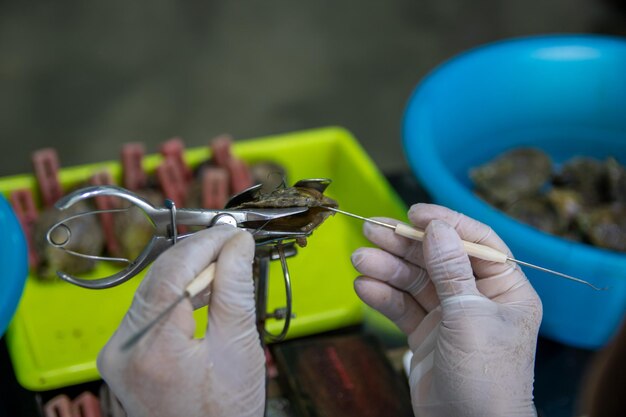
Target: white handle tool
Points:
(195, 287)
(473, 249)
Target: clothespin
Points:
(174, 149)
(220, 150)
(86, 405)
(104, 203)
(239, 174)
(46, 167)
(172, 181)
(23, 205)
(214, 188)
(134, 177)
(173, 173)
(270, 364)
(59, 406)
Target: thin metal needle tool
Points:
(473, 249)
(196, 286)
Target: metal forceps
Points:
(165, 221)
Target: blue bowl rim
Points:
(15, 263)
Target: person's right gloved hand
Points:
(168, 372)
(472, 325)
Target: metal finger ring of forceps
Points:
(271, 243)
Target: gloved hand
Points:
(168, 372)
(471, 324)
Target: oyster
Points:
(584, 201)
(586, 176)
(616, 179)
(305, 193)
(605, 226)
(537, 211)
(566, 203)
(513, 175)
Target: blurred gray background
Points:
(85, 77)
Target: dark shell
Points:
(616, 179)
(586, 176)
(537, 211)
(293, 197)
(584, 201)
(566, 203)
(513, 175)
(289, 197)
(605, 226)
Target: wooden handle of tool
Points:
(409, 232)
(202, 281)
(473, 249)
(484, 252)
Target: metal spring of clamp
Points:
(271, 244)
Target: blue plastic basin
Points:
(14, 261)
(563, 94)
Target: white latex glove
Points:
(471, 324)
(168, 372)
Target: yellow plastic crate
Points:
(58, 329)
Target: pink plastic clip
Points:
(106, 218)
(172, 181)
(173, 149)
(86, 405)
(240, 176)
(214, 188)
(46, 166)
(59, 406)
(220, 150)
(26, 213)
(134, 177)
(173, 184)
(270, 364)
(238, 171)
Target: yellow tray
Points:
(58, 329)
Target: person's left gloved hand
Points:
(168, 372)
